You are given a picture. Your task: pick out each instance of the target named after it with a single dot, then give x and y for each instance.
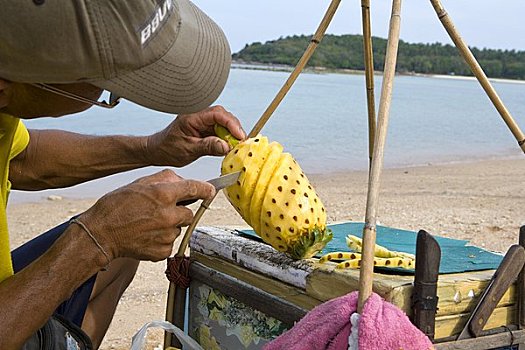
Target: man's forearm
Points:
(30, 297)
(56, 158)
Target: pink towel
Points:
(382, 326)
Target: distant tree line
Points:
(346, 52)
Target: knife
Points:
(504, 276)
(219, 183)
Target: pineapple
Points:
(275, 198)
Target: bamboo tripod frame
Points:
(366, 271)
(377, 131)
(369, 75)
(478, 72)
(369, 232)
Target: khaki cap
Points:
(162, 54)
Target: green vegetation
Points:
(346, 52)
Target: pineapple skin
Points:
(274, 196)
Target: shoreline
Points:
(96, 188)
(323, 70)
(480, 202)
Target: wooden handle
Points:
(504, 276)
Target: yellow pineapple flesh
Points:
(267, 169)
(239, 159)
(274, 196)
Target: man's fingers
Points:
(176, 217)
(183, 217)
(185, 190)
(214, 146)
(222, 117)
(165, 175)
(233, 125)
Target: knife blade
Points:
(224, 181)
(504, 276)
(219, 183)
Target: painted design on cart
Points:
(222, 318)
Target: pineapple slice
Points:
(266, 171)
(240, 195)
(356, 244)
(382, 256)
(275, 198)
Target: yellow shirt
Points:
(14, 138)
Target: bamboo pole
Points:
(478, 72)
(314, 42)
(369, 74)
(369, 231)
(176, 295)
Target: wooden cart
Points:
(243, 293)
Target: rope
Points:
(511, 334)
(178, 271)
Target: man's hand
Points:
(191, 136)
(142, 220)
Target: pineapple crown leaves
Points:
(224, 134)
(310, 244)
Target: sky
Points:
(494, 24)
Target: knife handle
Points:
(504, 276)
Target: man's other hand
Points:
(192, 136)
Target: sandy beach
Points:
(478, 201)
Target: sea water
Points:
(323, 122)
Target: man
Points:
(56, 57)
